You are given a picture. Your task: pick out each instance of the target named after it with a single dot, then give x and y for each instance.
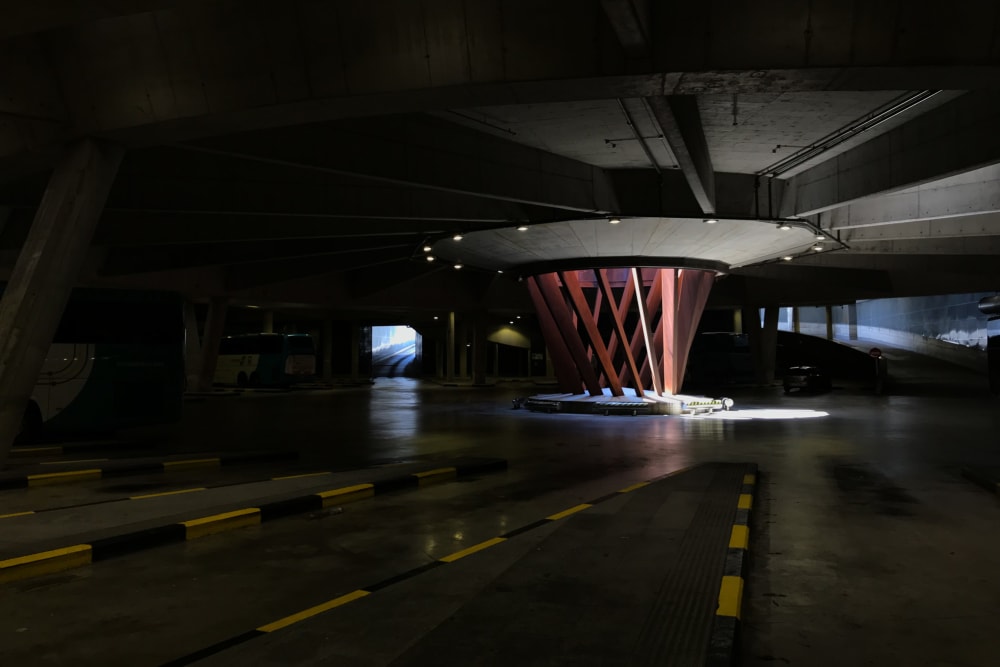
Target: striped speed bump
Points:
(723, 642)
(115, 469)
(364, 592)
(57, 560)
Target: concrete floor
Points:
(867, 546)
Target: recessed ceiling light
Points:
(511, 322)
(249, 306)
(614, 221)
(427, 248)
(435, 317)
(430, 258)
(817, 247)
(784, 227)
(457, 237)
(499, 270)
(787, 258)
(710, 221)
(458, 266)
(518, 317)
(820, 237)
(522, 228)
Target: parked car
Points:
(807, 378)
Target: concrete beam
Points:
(427, 153)
(630, 21)
(926, 231)
(244, 276)
(956, 137)
(680, 122)
(140, 228)
(967, 245)
(199, 69)
(967, 194)
(144, 259)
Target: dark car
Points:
(807, 378)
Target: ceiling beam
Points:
(146, 228)
(426, 153)
(245, 276)
(956, 137)
(968, 194)
(934, 231)
(680, 122)
(143, 259)
(630, 21)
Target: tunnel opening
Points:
(396, 351)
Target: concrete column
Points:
(215, 324)
(852, 321)
(768, 344)
(463, 348)
(829, 322)
(796, 322)
(46, 270)
(268, 326)
(192, 345)
(438, 359)
(738, 320)
(326, 346)
(355, 351)
(449, 348)
(479, 351)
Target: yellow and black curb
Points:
(58, 560)
(990, 481)
(365, 591)
(143, 467)
(723, 648)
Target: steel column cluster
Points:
(620, 328)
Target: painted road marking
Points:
(167, 493)
(746, 502)
(14, 514)
(191, 464)
(313, 611)
(566, 513)
(451, 558)
(47, 478)
(368, 590)
(57, 463)
(629, 489)
(305, 474)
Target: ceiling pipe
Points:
(849, 131)
(638, 136)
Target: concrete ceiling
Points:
(306, 151)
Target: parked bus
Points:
(116, 361)
(265, 360)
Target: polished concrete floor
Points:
(867, 546)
